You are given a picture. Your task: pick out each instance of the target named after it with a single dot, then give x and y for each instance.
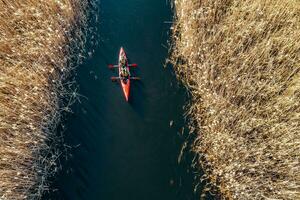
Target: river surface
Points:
(120, 150)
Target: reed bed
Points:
(241, 61)
(38, 42)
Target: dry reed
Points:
(38, 39)
(241, 62)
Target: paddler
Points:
(124, 71)
(123, 62)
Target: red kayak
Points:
(124, 73)
(125, 82)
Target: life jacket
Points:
(124, 72)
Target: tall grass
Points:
(241, 62)
(38, 40)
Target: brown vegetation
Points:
(37, 41)
(241, 62)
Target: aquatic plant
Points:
(40, 42)
(241, 61)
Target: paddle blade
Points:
(135, 78)
(133, 65)
(110, 66)
(114, 78)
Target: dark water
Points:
(126, 150)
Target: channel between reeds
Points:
(40, 42)
(240, 61)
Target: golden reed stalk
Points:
(241, 61)
(37, 40)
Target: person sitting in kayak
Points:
(123, 62)
(124, 73)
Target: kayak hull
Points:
(125, 84)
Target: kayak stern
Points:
(126, 89)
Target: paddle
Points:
(132, 65)
(114, 78)
(118, 78)
(110, 66)
(135, 78)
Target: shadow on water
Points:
(120, 150)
